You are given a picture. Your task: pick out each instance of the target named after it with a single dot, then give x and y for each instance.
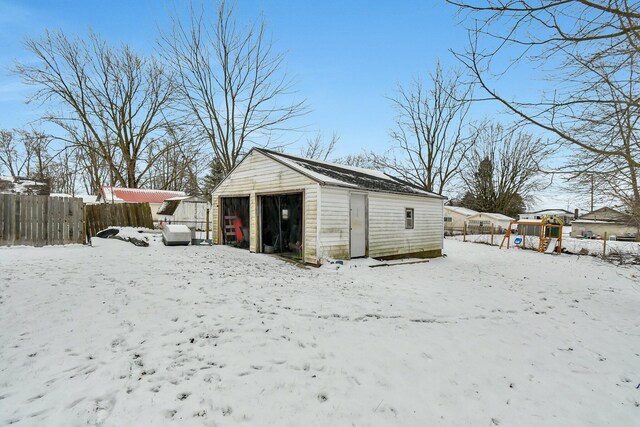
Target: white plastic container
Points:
(176, 235)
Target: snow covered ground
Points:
(573, 245)
(120, 335)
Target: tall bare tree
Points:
(116, 99)
(588, 54)
(432, 132)
(231, 82)
(503, 170)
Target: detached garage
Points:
(311, 210)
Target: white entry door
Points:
(358, 225)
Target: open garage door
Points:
(281, 224)
(235, 221)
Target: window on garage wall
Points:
(408, 218)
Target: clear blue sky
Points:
(345, 56)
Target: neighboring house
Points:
(605, 220)
(487, 219)
(155, 198)
(455, 217)
(23, 186)
(188, 210)
(86, 198)
(566, 216)
(312, 210)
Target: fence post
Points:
(492, 234)
(84, 224)
(464, 232)
(604, 245)
(207, 227)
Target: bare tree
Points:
(231, 82)
(26, 153)
(503, 170)
(179, 167)
(116, 100)
(432, 132)
(590, 52)
(9, 157)
(317, 149)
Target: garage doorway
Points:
(235, 222)
(281, 225)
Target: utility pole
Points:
(591, 193)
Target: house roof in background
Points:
(605, 214)
(88, 199)
(170, 205)
(548, 211)
(460, 210)
(136, 195)
(497, 216)
(346, 176)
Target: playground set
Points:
(549, 231)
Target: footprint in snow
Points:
(183, 395)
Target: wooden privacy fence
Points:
(40, 220)
(99, 217)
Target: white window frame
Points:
(408, 219)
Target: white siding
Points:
(333, 241)
(258, 174)
(189, 213)
(458, 219)
(487, 221)
(387, 235)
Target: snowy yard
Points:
(119, 335)
(573, 245)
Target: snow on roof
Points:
(550, 212)
(346, 176)
(25, 186)
(190, 198)
(499, 216)
(136, 195)
(88, 198)
(496, 216)
(460, 210)
(169, 206)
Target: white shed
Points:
(455, 218)
(314, 211)
(500, 222)
(188, 210)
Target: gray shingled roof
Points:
(335, 174)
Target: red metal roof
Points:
(137, 195)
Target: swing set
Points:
(549, 233)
